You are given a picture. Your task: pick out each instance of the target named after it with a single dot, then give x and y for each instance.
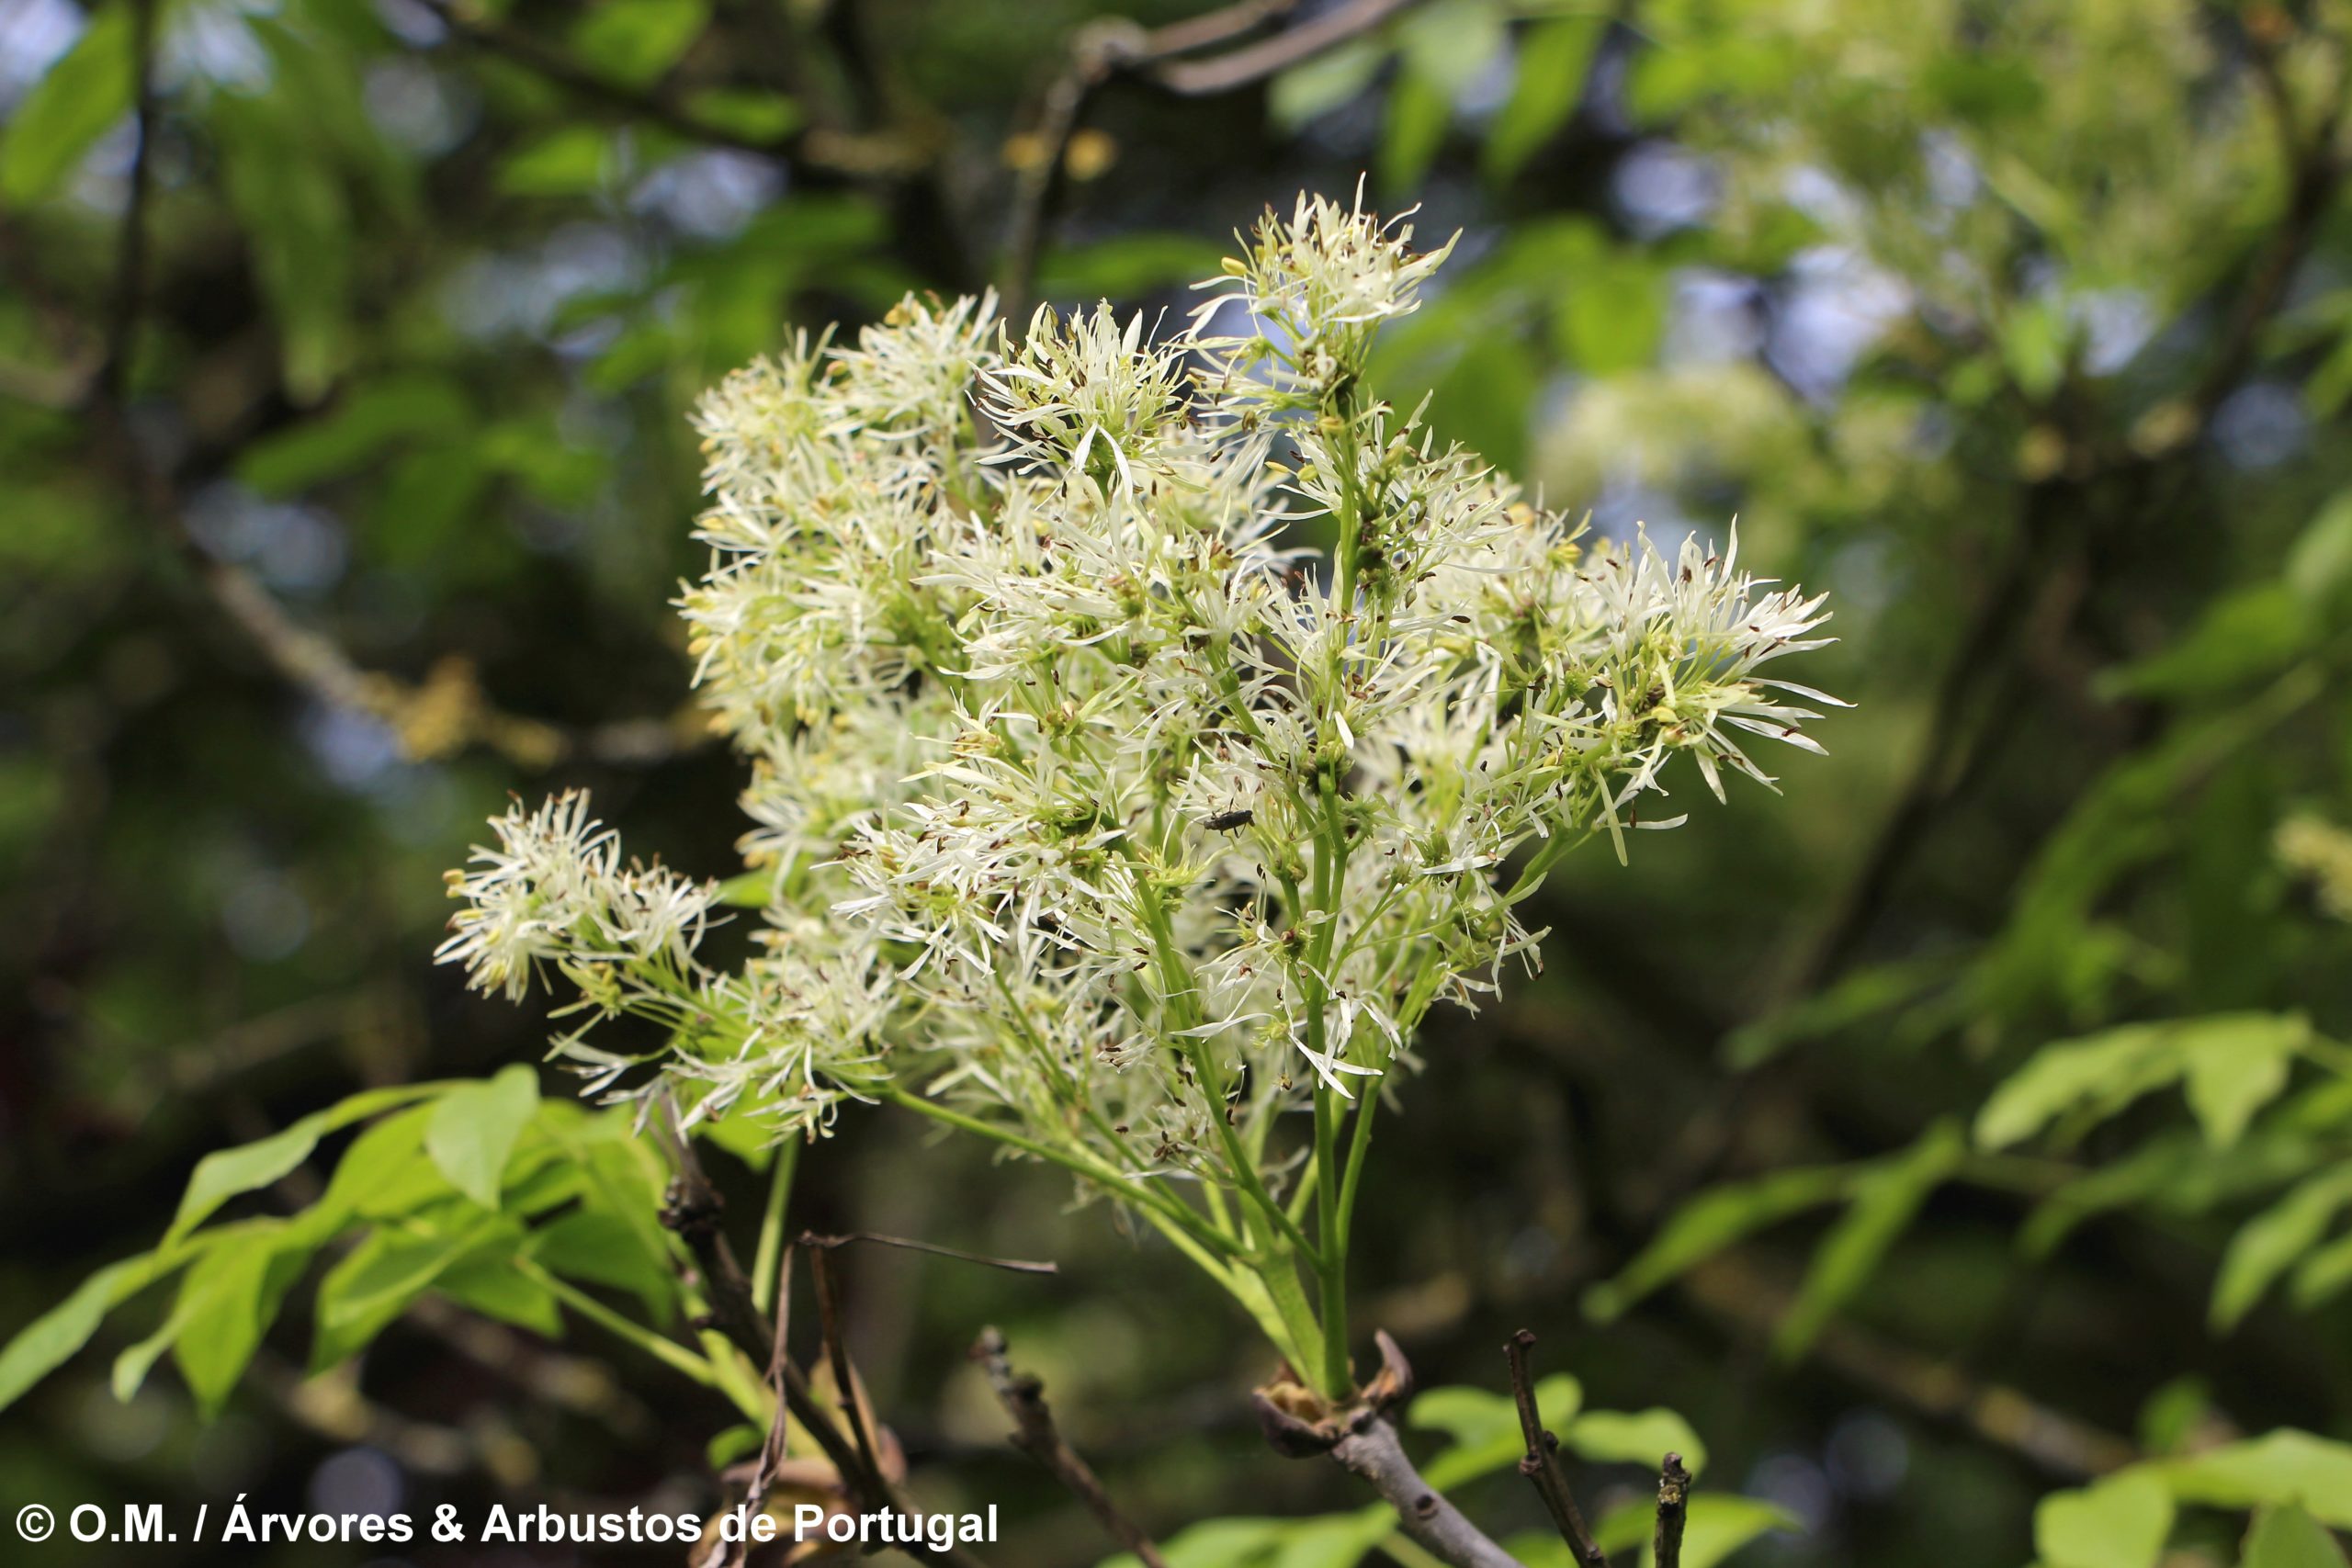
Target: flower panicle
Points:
(1085, 799)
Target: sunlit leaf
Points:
(2272, 1242)
(88, 88)
(2280, 1468)
(637, 42)
(1711, 1222)
(2121, 1522)
(1552, 57)
(2289, 1538)
(1885, 1200)
(226, 1173)
(46, 1343)
(1715, 1526)
(474, 1128)
(1640, 1437)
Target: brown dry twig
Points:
(692, 1212)
(1541, 1463)
(1010, 1265)
(1159, 57)
(1673, 1511)
(1034, 1434)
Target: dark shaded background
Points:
(2019, 328)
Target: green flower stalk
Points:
(1094, 815)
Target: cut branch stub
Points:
(1299, 1424)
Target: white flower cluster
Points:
(1095, 810)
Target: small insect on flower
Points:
(1227, 821)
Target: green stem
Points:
(765, 1261)
(1077, 1164)
(664, 1349)
(1196, 1050)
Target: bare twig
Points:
(1034, 1434)
(1255, 63)
(1541, 1463)
(1373, 1452)
(845, 1386)
(1114, 47)
(1673, 1510)
(692, 1212)
(1013, 1265)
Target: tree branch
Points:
(908, 1244)
(1673, 1509)
(1035, 1435)
(1541, 1463)
(1373, 1452)
(1114, 47)
(1255, 63)
(692, 1212)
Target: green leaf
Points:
(1711, 1222)
(1216, 1543)
(227, 1303)
(572, 160)
(2282, 1469)
(600, 1248)
(383, 1173)
(2272, 1242)
(1553, 57)
(1715, 1527)
(1447, 42)
(474, 1128)
(384, 1275)
(2177, 1173)
(49, 1340)
(2113, 1068)
(2234, 1063)
(2318, 567)
(290, 198)
(2323, 1274)
(1335, 1541)
(2034, 345)
(88, 88)
(748, 112)
(1419, 113)
(1477, 1418)
(740, 1441)
(1612, 315)
(1313, 88)
(1640, 1437)
(227, 1173)
(376, 416)
(2289, 1538)
(637, 42)
(2120, 1522)
(1885, 1200)
(2242, 637)
(487, 1282)
(1866, 992)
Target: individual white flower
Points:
(527, 899)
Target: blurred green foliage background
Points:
(344, 480)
